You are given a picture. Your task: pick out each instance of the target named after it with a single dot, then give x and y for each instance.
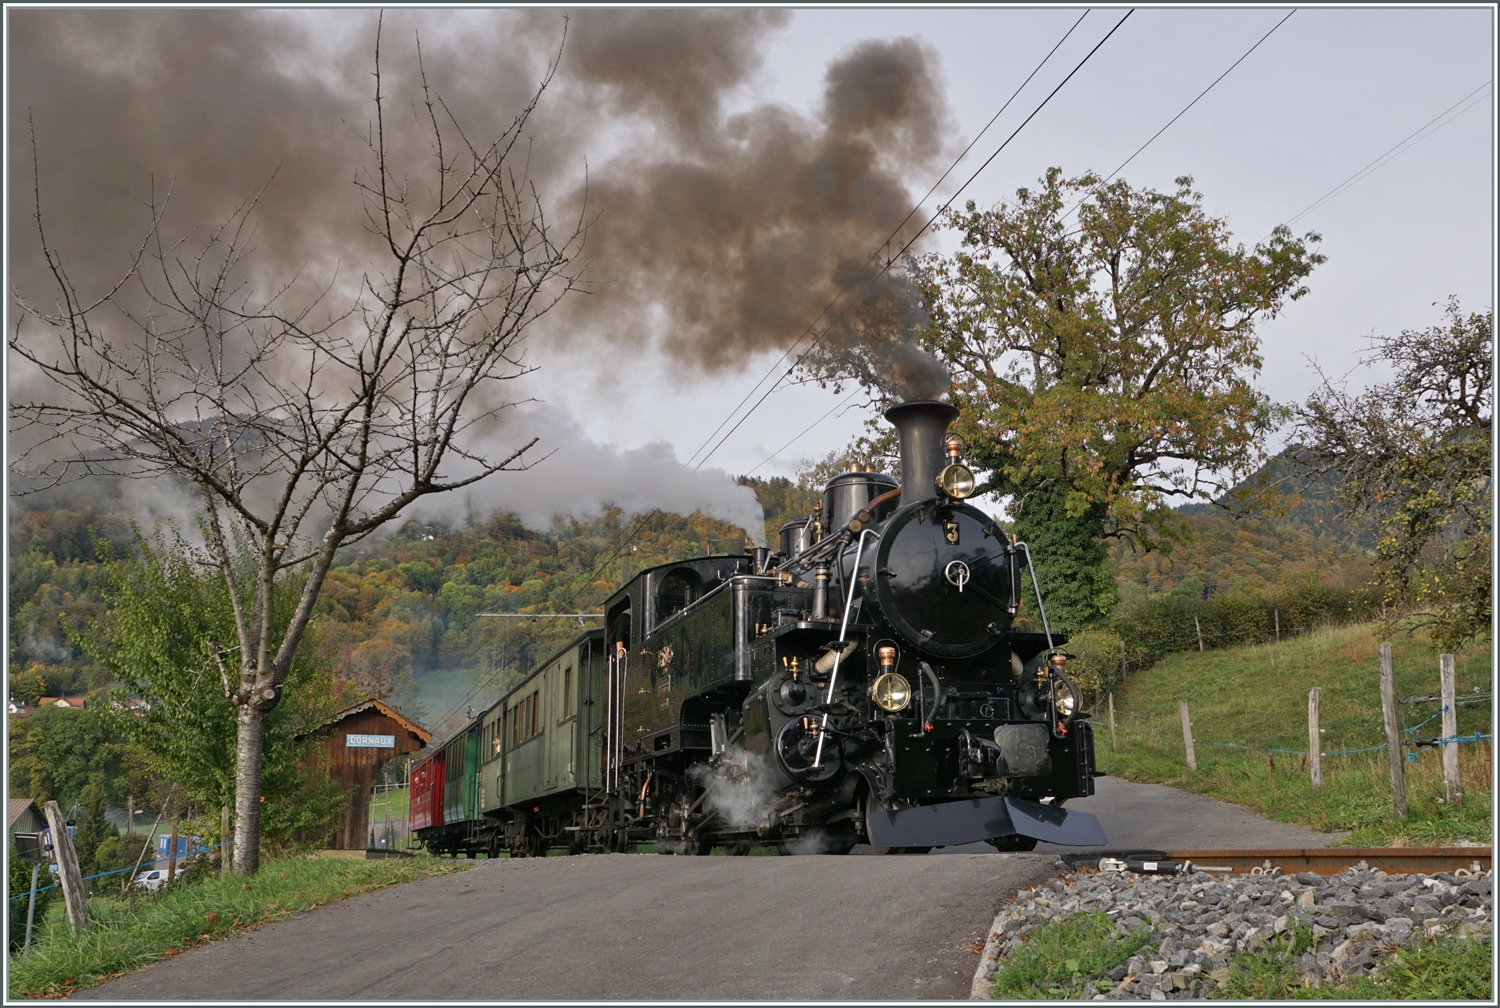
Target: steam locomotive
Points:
(863, 684)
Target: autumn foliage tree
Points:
(1105, 366)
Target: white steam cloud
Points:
(576, 475)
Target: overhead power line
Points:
(1431, 126)
(1184, 111)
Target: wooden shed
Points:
(362, 739)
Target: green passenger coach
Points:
(519, 777)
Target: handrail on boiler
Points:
(838, 654)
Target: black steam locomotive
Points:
(861, 685)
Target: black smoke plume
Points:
(718, 232)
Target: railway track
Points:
(1320, 860)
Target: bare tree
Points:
(305, 429)
(1411, 460)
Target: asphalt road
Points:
(645, 927)
(627, 927)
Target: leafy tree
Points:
(163, 639)
(94, 827)
(28, 685)
(117, 852)
(1412, 457)
(1105, 368)
(56, 752)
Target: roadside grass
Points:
(1441, 969)
(1256, 696)
(130, 932)
(1060, 958)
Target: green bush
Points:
(1096, 660)
(1162, 624)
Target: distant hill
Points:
(1298, 531)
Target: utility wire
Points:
(889, 238)
(890, 261)
(1179, 115)
(1410, 141)
(837, 406)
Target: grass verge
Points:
(1442, 969)
(1060, 958)
(130, 932)
(1256, 696)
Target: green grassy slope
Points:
(1256, 696)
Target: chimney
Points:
(922, 426)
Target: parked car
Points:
(152, 880)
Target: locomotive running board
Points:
(958, 822)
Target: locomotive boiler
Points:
(861, 684)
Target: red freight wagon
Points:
(427, 779)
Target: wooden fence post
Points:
(1392, 730)
(224, 848)
(172, 853)
(1187, 736)
(1199, 627)
(1276, 615)
(67, 868)
(1112, 720)
(1314, 739)
(1122, 661)
(1452, 789)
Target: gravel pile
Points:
(1202, 920)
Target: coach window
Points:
(567, 712)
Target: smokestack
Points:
(923, 427)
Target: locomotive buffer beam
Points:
(958, 822)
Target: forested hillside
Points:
(399, 616)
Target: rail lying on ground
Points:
(1320, 860)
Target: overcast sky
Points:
(1327, 93)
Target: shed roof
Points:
(18, 807)
(422, 734)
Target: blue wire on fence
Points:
(1411, 757)
(1342, 752)
(120, 871)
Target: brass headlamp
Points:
(956, 480)
(891, 691)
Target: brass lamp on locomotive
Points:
(862, 684)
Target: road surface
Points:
(646, 927)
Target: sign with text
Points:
(370, 741)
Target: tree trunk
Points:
(251, 725)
